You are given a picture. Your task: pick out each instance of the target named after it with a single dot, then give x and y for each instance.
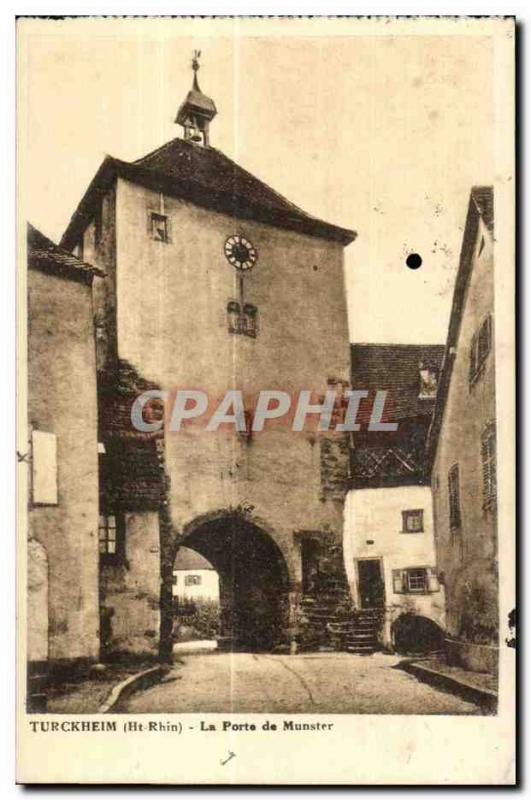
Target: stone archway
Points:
(413, 633)
(254, 581)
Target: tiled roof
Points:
(208, 178)
(395, 368)
(480, 206)
(46, 256)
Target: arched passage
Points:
(253, 581)
(413, 633)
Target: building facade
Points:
(462, 449)
(194, 578)
(389, 544)
(213, 282)
(63, 561)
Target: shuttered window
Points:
(473, 367)
(453, 497)
(234, 316)
(415, 580)
(244, 320)
(480, 347)
(488, 464)
(44, 468)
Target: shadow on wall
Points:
(414, 635)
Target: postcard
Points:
(266, 363)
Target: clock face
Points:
(240, 252)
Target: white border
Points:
(7, 322)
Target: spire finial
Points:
(195, 67)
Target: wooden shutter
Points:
(484, 341)
(44, 468)
(398, 581)
(432, 581)
(473, 366)
(453, 497)
(488, 464)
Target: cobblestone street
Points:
(308, 683)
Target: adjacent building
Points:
(63, 561)
(389, 544)
(462, 451)
(194, 578)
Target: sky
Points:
(382, 133)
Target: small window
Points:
(159, 227)
(428, 382)
(480, 346)
(488, 464)
(245, 322)
(234, 316)
(415, 580)
(453, 497)
(413, 521)
(175, 579)
(110, 537)
(192, 580)
(107, 535)
(250, 317)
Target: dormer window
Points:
(159, 227)
(427, 381)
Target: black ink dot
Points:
(413, 261)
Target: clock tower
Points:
(215, 282)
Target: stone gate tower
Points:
(213, 281)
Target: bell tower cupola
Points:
(197, 111)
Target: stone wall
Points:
(62, 401)
(130, 590)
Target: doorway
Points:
(370, 583)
